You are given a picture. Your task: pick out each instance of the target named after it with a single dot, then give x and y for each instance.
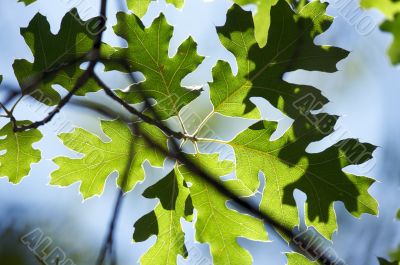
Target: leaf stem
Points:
(196, 147)
(211, 140)
(206, 119)
(182, 124)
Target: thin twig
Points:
(94, 54)
(12, 92)
(107, 246)
(80, 82)
(5, 109)
(217, 184)
(29, 84)
(175, 153)
(145, 118)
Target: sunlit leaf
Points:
(101, 158)
(298, 259)
(16, 152)
(164, 221)
(216, 224)
(287, 166)
(391, 10)
(26, 2)
(147, 52)
(140, 7)
(74, 39)
(383, 261)
(290, 47)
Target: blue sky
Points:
(364, 92)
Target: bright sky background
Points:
(364, 93)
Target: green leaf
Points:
(287, 166)
(383, 261)
(216, 224)
(17, 153)
(140, 7)
(298, 259)
(262, 18)
(290, 47)
(26, 2)
(388, 7)
(177, 3)
(391, 10)
(147, 52)
(164, 221)
(393, 26)
(285, 163)
(74, 39)
(100, 158)
(298, 4)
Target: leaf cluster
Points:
(277, 39)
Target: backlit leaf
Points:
(287, 166)
(290, 47)
(16, 152)
(74, 39)
(147, 52)
(101, 158)
(216, 224)
(164, 221)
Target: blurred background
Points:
(364, 93)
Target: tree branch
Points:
(145, 118)
(80, 82)
(89, 72)
(177, 154)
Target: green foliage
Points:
(164, 221)
(385, 262)
(298, 259)
(101, 158)
(393, 26)
(391, 10)
(278, 39)
(262, 19)
(395, 254)
(262, 16)
(216, 224)
(17, 153)
(290, 47)
(287, 166)
(50, 52)
(139, 7)
(26, 2)
(388, 7)
(147, 52)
